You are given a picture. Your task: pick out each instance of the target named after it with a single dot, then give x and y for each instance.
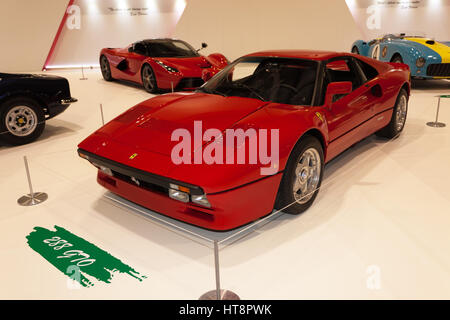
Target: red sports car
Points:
(160, 64)
(314, 104)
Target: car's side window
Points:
(368, 71)
(343, 69)
(139, 48)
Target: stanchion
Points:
(82, 74)
(218, 294)
(171, 85)
(437, 124)
(32, 198)
(101, 112)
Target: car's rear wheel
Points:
(149, 79)
(398, 118)
(106, 69)
(22, 121)
(355, 50)
(302, 177)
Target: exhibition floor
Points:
(379, 228)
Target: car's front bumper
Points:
(228, 209)
(57, 107)
(185, 81)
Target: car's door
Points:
(131, 61)
(347, 115)
(139, 54)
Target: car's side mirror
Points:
(334, 88)
(204, 45)
(206, 75)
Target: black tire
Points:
(397, 58)
(12, 125)
(149, 79)
(286, 200)
(398, 115)
(355, 50)
(106, 69)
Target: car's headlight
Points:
(170, 69)
(201, 200)
(183, 194)
(179, 195)
(420, 62)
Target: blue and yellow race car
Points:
(427, 58)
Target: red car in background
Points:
(320, 103)
(160, 64)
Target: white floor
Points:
(383, 213)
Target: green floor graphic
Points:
(76, 257)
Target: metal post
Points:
(27, 169)
(101, 112)
(32, 198)
(171, 85)
(437, 124)
(216, 266)
(82, 74)
(218, 294)
(437, 111)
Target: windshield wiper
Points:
(242, 85)
(211, 91)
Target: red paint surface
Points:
(188, 67)
(146, 129)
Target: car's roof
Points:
(299, 54)
(161, 39)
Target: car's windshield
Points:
(282, 80)
(404, 35)
(170, 48)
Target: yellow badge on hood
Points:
(134, 155)
(319, 115)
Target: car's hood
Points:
(429, 47)
(151, 124)
(27, 76)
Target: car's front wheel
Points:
(397, 59)
(355, 50)
(22, 121)
(149, 79)
(106, 69)
(302, 177)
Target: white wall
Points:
(234, 27)
(27, 30)
(96, 26)
(413, 17)
(237, 27)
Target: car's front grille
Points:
(439, 70)
(140, 183)
(190, 83)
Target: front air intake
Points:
(439, 70)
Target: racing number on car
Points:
(376, 52)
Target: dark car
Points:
(27, 101)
